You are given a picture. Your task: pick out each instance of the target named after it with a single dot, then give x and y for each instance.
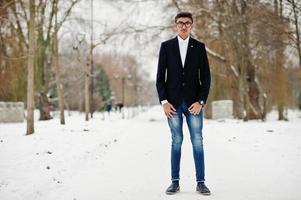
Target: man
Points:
(183, 83)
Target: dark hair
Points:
(184, 14)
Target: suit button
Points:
(183, 84)
(183, 73)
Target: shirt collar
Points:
(183, 41)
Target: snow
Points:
(129, 159)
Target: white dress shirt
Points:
(183, 45)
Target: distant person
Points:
(183, 83)
(109, 108)
(119, 106)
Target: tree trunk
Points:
(253, 93)
(30, 79)
(42, 58)
(58, 70)
(296, 23)
(279, 85)
(249, 105)
(241, 112)
(87, 93)
(264, 108)
(92, 106)
(44, 107)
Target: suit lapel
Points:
(177, 51)
(189, 52)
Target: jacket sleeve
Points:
(205, 76)
(161, 74)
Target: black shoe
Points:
(202, 188)
(173, 188)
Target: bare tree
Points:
(279, 86)
(44, 28)
(295, 6)
(57, 67)
(89, 108)
(30, 79)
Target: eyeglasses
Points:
(181, 24)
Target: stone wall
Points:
(222, 109)
(11, 112)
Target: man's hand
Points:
(195, 108)
(169, 110)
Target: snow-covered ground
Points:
(115, 159)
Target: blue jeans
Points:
(195, 125)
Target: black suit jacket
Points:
(176, 83)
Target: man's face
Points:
(183, 26)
